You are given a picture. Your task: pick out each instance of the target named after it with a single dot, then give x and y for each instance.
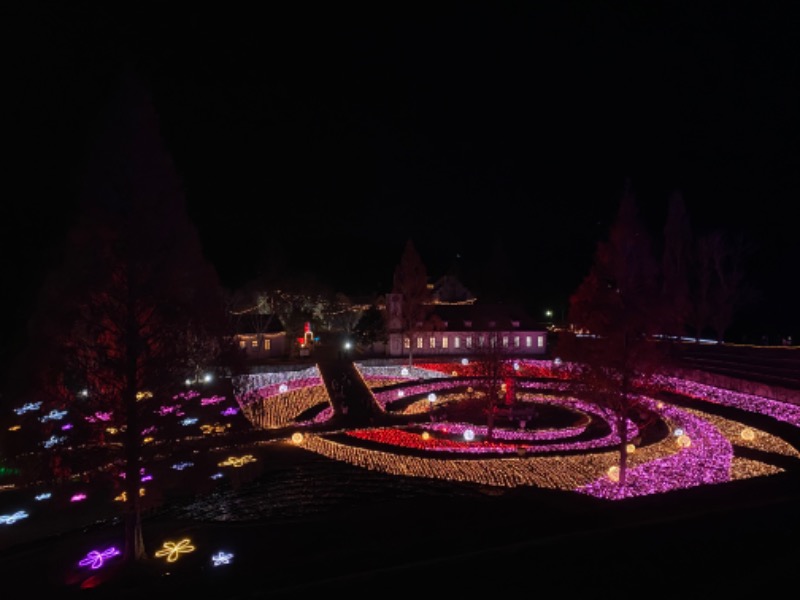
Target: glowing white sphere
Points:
(283, 388)
(678, 432)
(400, 393)
(431, 397)
(208, 377)
(516, 366)
(469, 435)
(557, 361)
(404, 371)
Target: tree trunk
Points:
(134, 540)
(622, 426)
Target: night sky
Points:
(326, 137)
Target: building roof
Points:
(486, 317)
(251, 323)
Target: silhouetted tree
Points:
(675, 266)
(614, 315)
(411, 282)
(371, 327)
(729, 292)
(134, 308)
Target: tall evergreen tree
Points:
(134, 308)
(676, 265)
(411, 283)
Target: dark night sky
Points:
(472, 128)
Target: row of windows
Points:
(254, 344)
(480, 341)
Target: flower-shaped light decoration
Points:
(173, 550)
(95, 559)
(13, 518)
(183, 465)
(237, 461)
(222, 558)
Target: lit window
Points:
(432, 342)
(242, 343)
(254, 343)
(457, 342)
(516, 341)
(481, 340)
(419, 342)
(444, 342)
(406, 343)
(505, 341)
(528, 342)
(267, 344)
(469, 341)
(540, 341)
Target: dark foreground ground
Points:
(307, 527)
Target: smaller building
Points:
(261, 336)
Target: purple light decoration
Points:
(706, 461)
(79, 497)
(230, 411)
(95, 559)
(66, 427)
(212, 400)
(187, 395)
(167, 410)
(99, 416)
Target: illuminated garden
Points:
(430, 424)
(575, 448)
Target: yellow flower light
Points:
(173, 550)
(297, 437)
(748, 434)
(237, 461)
